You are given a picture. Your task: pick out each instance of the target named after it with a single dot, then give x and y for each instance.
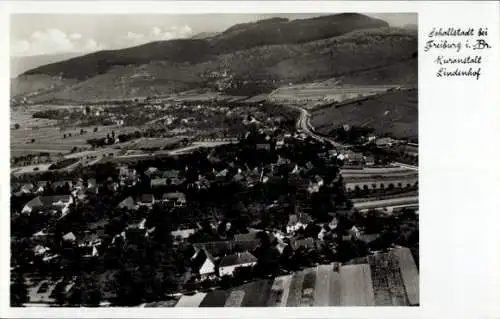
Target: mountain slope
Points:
(284, 31)
(318, 52)
(19, 65)
(392, 113)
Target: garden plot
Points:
(256, 293)
(308, 287)
(216, 298)
(409, 274)
(387, 281)
(335, 288)
(322, 286)
(235, 298)
(396, 285)
(295, 294)
(191, 301)
(381, 290)
(279, 291)
(356, 285)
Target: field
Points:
(388, 279)
(191, 301)
(279, 291)
(50, 138)
(151, 143)
(393, 113)
(409, 273)
(356, 285)
(316, 94)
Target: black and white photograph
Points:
(214, 160)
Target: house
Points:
(355, 232)
(69, 237)
(177, 198)
(89, 240)
(127, 176)
(281, 247)
(27, 188)
(147, 200)
(41, 186)
(203, 264)
(183, 233)
(264, 146)
(62, 184)
(369, 160)
(128, 203)
(50, 203)
(40, 250)
(295, 222)
(384, 142)
(307, 243)
(172, 174)
(140, 225)
(333, 224)
(158, 182)
(92, 185)
(351, 157)
(253, 235)
(229, 263)
(151, 171)
(89, 251)
(221, 248)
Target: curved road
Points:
(304, 125)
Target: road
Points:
(386, 203)
(304, 125)
(407, 166)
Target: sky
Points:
(37, 34)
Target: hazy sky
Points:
(34, 34)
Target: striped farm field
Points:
(191, 301)
(335, 288)
(235, 298)
(322, 285)
(256, 293)
(216, 298)
(308, 287)
(409, 274)
(295, 294)
(381, 279)
(356, 285)
(279, 291)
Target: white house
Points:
(69, 237)
(203, 263)
(296, 222)
(229, 263)
(49, 203)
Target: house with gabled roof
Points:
(203, 264)
(177, 198)
(297, 221)
(158, 182)
(229, 263)
(147, 200)
(49, 203)
(128, 203)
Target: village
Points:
(153, 229)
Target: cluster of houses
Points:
(219, 258)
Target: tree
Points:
(18, 292)
(59, 293)
(94, 297)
